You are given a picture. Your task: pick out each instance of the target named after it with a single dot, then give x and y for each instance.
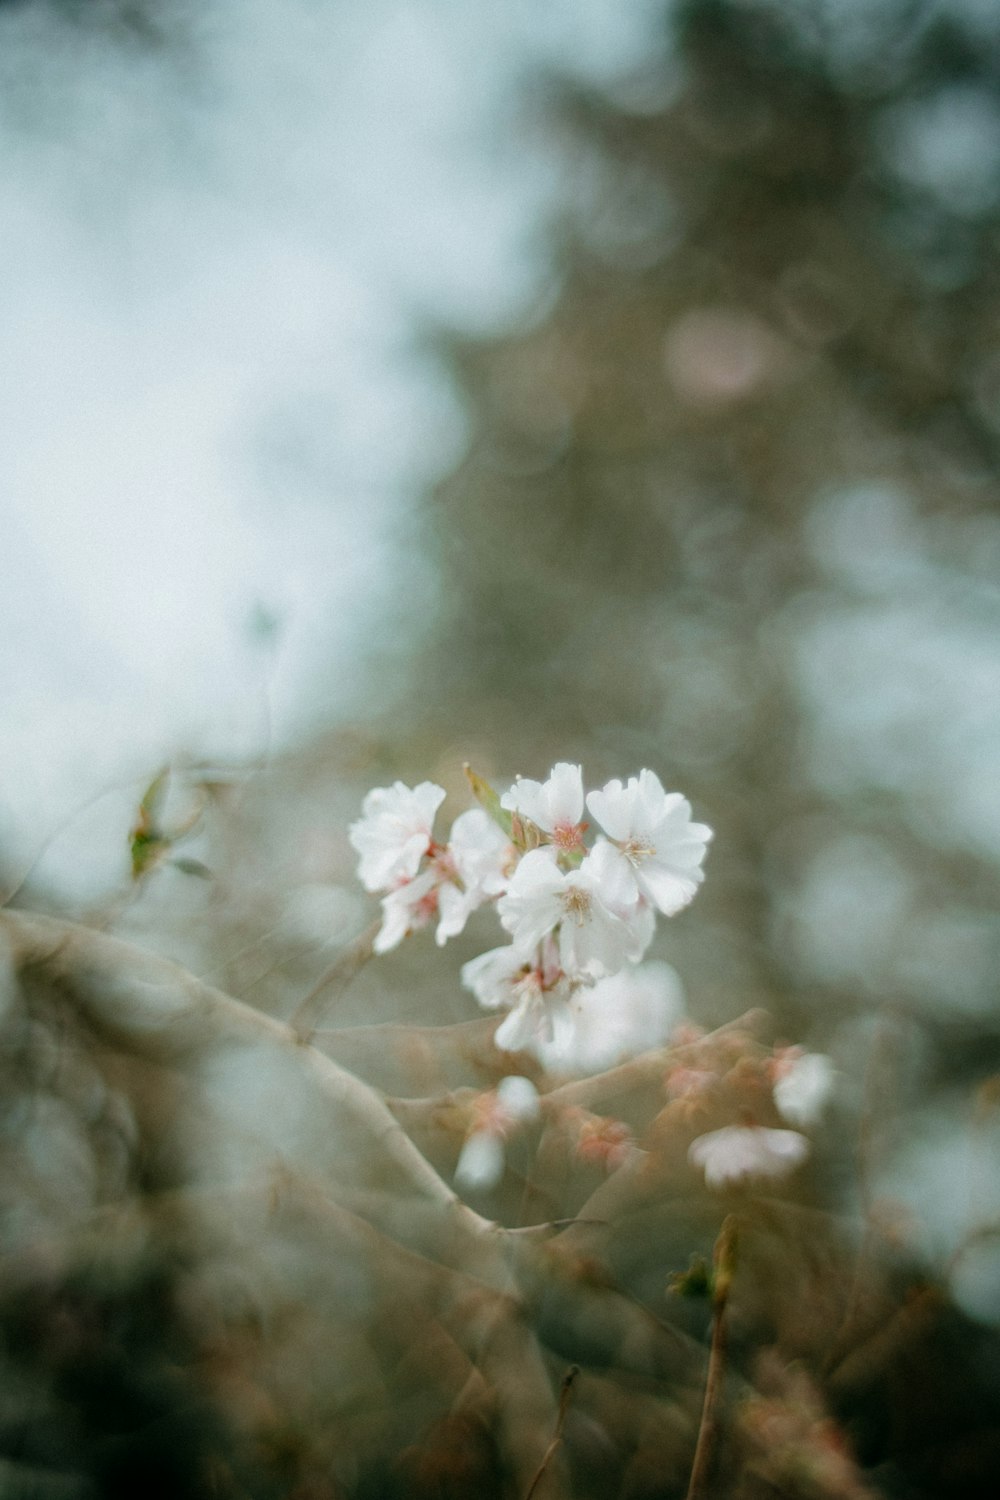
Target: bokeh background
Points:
(392, 386)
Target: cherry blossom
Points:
(411, 906)
(473, 869)
(656, 851)
(738, 1151)
(394, 832)
(496, 1115)
(616, 1018)
(534, 989)
(541, 898)
(803, 1084)
(600, 1140)
(556, 805)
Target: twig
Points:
(336, 978)
(724, 1265)
(564, 1399)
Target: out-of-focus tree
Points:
(729, 502)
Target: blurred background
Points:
(393, 386)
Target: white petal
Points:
(531, 908)
(551, 803)
(455, 908)
(612, 808)
(492, 976)
(739, 1151)
(614, 876)
(402, 911)
(802, 1092)
(519, 1097)
(393, 832)
(480, 1164)
(617, 1018)
(564, 795)
(517, 1029)
(668, 890)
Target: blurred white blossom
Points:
(738, 1151)
(803, 1084)
(497, 1114)
(619, 1017)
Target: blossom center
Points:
(426, 908)
(568, 836)
(576, 904)
(636, 849)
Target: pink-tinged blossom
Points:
(541, 899)
(394, 832)
(656, 852)
(473, 870)
(601, 1141)
(803, 1084)
(497, 1114)
(534, 990)
(739, 1151)
(413, 905)
(556, 805)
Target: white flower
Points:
(473, 870)
(617, 1018)
(555, 805)
(412, 905)
(514, 1102)
(541, 898)
(534, 1018)
(494, 977)
(534, 989)
(803, 1085)
(394, 832)
(747, 1151)
(657, 850)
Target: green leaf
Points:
(488, 799)
(192, 867)
(696, 1281)
(146, 849)
(152, 799)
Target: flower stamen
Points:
(576, 904)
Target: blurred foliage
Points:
(752, 430)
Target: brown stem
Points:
(724, 1266)
(564, 1399)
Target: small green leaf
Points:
(192, 867)
(696, 1281)
(488, 799)
(146, 849)
(152, 798)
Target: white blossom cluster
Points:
(575, 913)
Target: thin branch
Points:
(334, 981)
(723, 1269)
(564, 1400)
